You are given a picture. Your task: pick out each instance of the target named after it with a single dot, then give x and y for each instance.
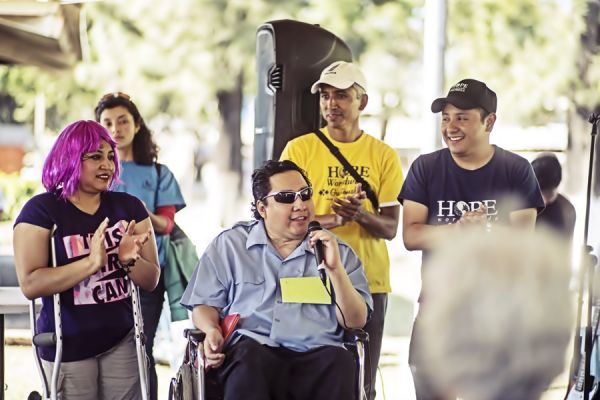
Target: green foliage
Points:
(585, 84)
(525, 49)
(16, 191)
(64, 95)
(385, 38)
(176, 59)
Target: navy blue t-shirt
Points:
(97, 312)
(559, 215)
(505, 184)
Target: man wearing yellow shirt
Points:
(341, 204)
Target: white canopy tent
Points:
(49, 34)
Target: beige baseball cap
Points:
(341, 75)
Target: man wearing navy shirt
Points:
(471, 182)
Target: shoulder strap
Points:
(157, 166)
(348, 167)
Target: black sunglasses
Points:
(289, 196)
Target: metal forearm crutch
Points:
(48, 338)
(140, 339)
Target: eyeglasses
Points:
(288, 196)
(116, 95)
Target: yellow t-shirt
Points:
(378, 164)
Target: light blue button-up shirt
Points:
(239, 273)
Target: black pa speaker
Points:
(290, 57)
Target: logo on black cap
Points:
(468, 94)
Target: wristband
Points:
(127, 267)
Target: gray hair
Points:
(498, 314)
(360, 91)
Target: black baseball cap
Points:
(468, 94)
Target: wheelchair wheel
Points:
(174, 390)
(183, 386)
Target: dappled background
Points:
(190, 67)
(192, 64)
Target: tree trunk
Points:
(578, 127)
(8, 105)
(228, 155)
(230, 110)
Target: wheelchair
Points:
(192, 383)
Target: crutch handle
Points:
(45, 339)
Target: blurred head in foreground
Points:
(499, 314)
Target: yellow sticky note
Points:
(308, 289)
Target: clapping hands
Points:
(129, 248)
(131, 244)
(350, 208)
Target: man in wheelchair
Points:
(289, 341)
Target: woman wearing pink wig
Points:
(103, 240)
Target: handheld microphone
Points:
(316, 226)
(460, 208)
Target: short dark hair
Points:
(145, 150)
(483, 114)
(261, 183)
(547, 170)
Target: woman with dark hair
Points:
(152, 183)
(103, 240)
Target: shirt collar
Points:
(258, 236)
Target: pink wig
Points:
(62, 168)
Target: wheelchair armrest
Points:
(356, 335)
(194, 335)
(356, 341)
